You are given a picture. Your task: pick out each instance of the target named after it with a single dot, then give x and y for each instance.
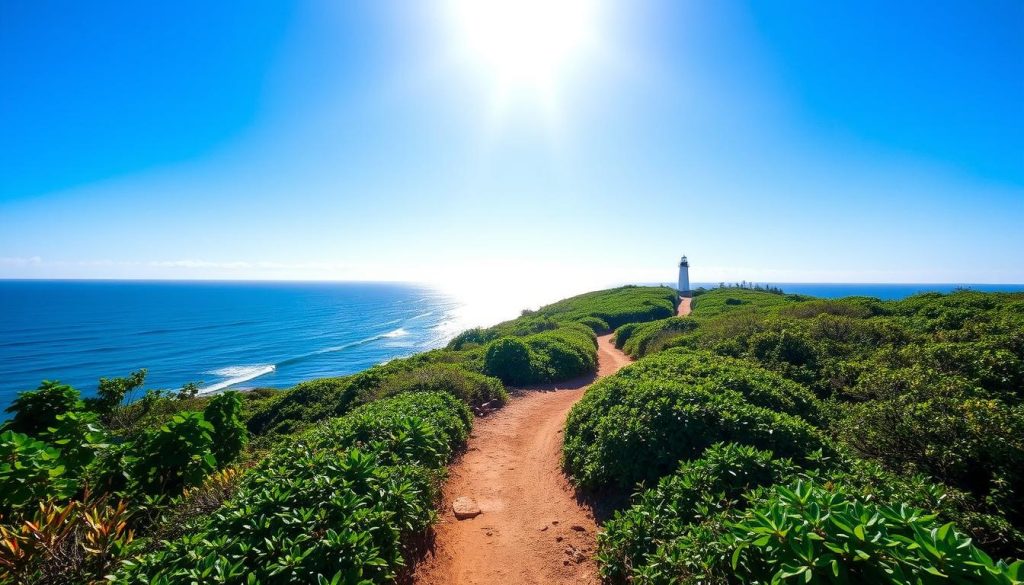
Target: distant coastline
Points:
(884, 291)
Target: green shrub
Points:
(616, 306)
(724, 300)
(624, 431)
(113, 391)
(388, 426)
(973, 444)
(322, 399)
(563, 353)
(229, 433)
(305, 403)
(699, 488)
(37, 410)
(596, 324)
(335, 504)
(472, 388)
(175, 456)
(509, 360)
(30, 472)
(640, 339)
(80, 437)
(472, 338)
(717, 373)
(807, 533)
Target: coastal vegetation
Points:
(332, 481)
(781, 438)
(764, 438)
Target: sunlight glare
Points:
(525, 45)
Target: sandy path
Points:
(533, 529)
(684, 307)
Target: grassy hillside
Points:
(779, 437)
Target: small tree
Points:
(37, 410)
(188, 391)
(229, 433)
(112, 391)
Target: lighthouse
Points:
(684, 278)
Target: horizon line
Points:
(424, 283)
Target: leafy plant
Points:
(80, 436)
(76, 542)
(625, 430)
(30, 472)
(473, 388)
(112, 392)
(175, 456)
(700, 488)
(229, 433)
(508, 359)
(337, 502)
(37, 410)
(805, 533)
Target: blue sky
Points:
(799, 141)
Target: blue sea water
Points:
(238, 335)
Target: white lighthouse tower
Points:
(684, 278)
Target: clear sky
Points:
(485, 142)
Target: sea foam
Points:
(237, 375)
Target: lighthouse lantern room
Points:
(684, 278)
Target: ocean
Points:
(249, 334)
(223, 334)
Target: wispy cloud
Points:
(35, 266)
(20, 261)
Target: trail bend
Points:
(532, 528)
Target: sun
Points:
(524, 46)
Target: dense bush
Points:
(808, 533)
(724, 300)
(550, 356)
(112, 392)
(37, 410)
(30, 472)
(710, 522)
(615, 307)
(923, 398)
(627, 430)
(509, 360)
(325, 398)
(640, 339)
(335, 504)
(563, 353)
(631, 541)
(758, 386)
(175, 456)
(229, 433)
(79, 436)
(473, 388)
(971, 443)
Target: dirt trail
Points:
(684, 307)
(532, 529)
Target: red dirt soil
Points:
(684, 307)
(532, 529)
